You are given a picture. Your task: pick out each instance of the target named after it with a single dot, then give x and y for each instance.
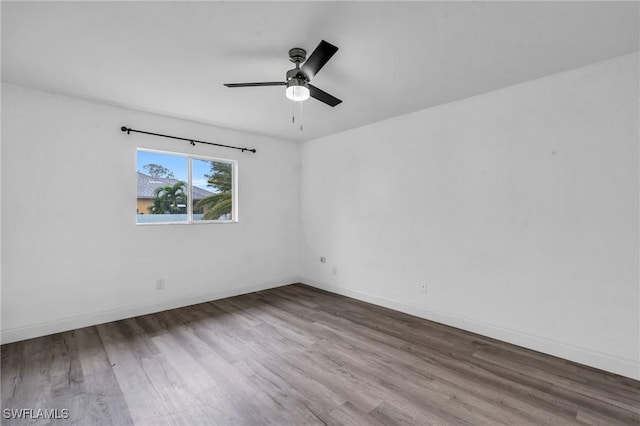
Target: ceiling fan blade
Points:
(269, 83)
(318, 58)
(323, 96)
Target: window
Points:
(178, 188)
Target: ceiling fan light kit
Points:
(297, 79)
(297, 90)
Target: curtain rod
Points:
(192, 141)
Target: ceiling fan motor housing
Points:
(296, 73)
(298, 82)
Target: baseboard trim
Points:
(43, 329)
(623, 367)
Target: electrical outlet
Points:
(334, 271)
(323, 259)
(423, 288)
(160, 284)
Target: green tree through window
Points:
(157, 171)
(221, 203)
(170, 199)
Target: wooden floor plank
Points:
(297, 355)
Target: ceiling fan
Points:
(297, 79)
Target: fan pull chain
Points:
(293, 113)
(300, 115)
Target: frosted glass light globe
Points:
(298, 93)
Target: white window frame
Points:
(190, 158)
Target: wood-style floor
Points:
(300, 356)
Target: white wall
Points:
(518, 208)
(71, 252)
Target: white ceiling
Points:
(394, 57)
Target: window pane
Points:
(212, 190)
(162, 188)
